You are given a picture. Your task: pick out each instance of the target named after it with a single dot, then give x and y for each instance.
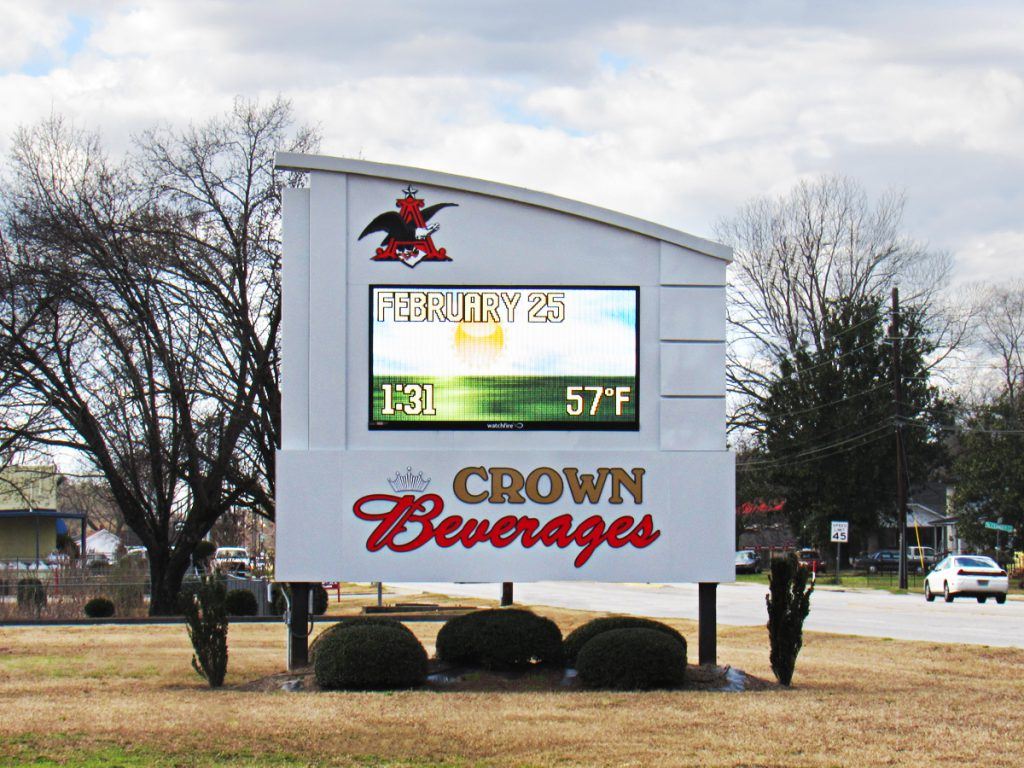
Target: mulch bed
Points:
(444, 677)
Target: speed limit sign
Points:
(840, 531)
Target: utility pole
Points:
(897, 395)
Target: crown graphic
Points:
(408, 481)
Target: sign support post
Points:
(298, 626)
(707, 618)
(840, 534)
(506, 593)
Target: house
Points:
(28, 513)
(929, 523)
(105, 544)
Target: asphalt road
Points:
(871, 613)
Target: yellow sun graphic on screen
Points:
(479, 343)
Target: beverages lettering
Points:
(406, 523)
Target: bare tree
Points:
(804, 257)
(220, 180)
(143, 311)
(1001, 333)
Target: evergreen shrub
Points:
(99, 608)
(206, 618)
(579, 637)
(31, 593)
(500, 638)
(789, 601)
(370, 657)
(632, 659)
(241, 602)
(355, 621)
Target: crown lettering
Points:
(402, 483)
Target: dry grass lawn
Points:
(127, 696)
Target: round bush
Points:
(632, 659)
(241, 602)
(204, 551)
(579, 637)
(500, 638)
(31, 592)
(99, 608)
(370, 657)
(355, 621)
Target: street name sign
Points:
(485, 383)
(999, 527)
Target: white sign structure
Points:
(840, 531)
(484, 383)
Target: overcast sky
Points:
(672, 111)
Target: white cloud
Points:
(672, 111)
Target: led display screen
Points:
(501, 357)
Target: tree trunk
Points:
(165, 574)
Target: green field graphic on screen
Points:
(498, 357)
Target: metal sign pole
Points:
(707, 613)
(298, 626)
(839, 549)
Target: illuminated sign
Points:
(500, 357)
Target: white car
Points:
(967, 576)
(232, 559)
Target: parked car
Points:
(232, 559)
(915, 555)
(967, 576)
(747, 561)
(878, 562)
(810, 558)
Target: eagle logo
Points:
(408, 238)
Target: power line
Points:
(956, 428)
(802, 454)
(840, 401)
(795, 462)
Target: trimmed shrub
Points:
(278, 603)
(632, 659)
(241, 602)
(370, 657)
(204, 551)
(355, 621)
(206, 618)
(789, 601)
(320, 600)
(99, 608)
(500, 638)
(579, 637)
(31, 593)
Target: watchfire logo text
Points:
(409, 519)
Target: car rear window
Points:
(975, 562)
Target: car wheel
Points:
(982, 599)
(928, 594)
(872, 569)
(945, 592)
(1000, 599)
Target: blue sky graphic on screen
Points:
(485, 356)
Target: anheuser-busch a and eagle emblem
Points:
(408, 237)
(409, 519)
